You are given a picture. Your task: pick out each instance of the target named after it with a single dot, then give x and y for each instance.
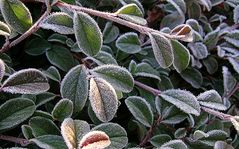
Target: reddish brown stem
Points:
(21, 141)
(149, 133)
(218, 114)
(156, 92)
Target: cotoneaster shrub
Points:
(94, 74)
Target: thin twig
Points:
(217, 113)
(21, 141)
(156, 92)
(30, 31)
(113, 17)
(150, 132)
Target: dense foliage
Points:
(87, 74)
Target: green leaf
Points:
(61, 57)
(110, 33)
(59, 22)
(159, 140)
(180, 133)
(103, 58)
(131, 12)
(37, 46)
(43, 126)
(179, 5)
(211, 39)
(211, 99)
(103, 99)
(117, 134)
(192, 76)
(129, 43)
(140, 109)
(50, 142)
(58, 38)
(43, 98)
(183, 100)
(162, 49)
(236, 14)
(16, 14)
(4, 29)
(26, 81)
(73, 130)
(27, 132)
(74, 87)
(146, 70)
(119, 77)
(213, 136)
(63, 109)
(130, 9)
(15, 111)
(173, 115)
(181, 56)
(235, 63)
(211, 64)
(88, 34)
(53, 73)
(177, 144)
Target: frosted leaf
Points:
(119, 77)
(103, 99)
(16, 14)
(162, 49)
(88, 34)
(73, 130)
(94, 140)
(183, 100)
(211, 99)
(26, 81)
(2, 69)
(74, 87)
(59, 22)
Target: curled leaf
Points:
(95, 140)
(183, 32)
(4, 29)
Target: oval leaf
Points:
(211, 99)
(181, 56)
(63, 109)
(129, 43)
(15, 111)
(16, 14)
(88, 34)
(103, 99)
(74, 87)
(26, 81)
(162, 49)
(2, 69)
(43, 126)
(140, 109)
(119, 77)
(179, 144)
(95, 139)
(59, 22)
(183, 100)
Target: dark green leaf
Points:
(63, 109)
(15, 111)
(140, 109)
